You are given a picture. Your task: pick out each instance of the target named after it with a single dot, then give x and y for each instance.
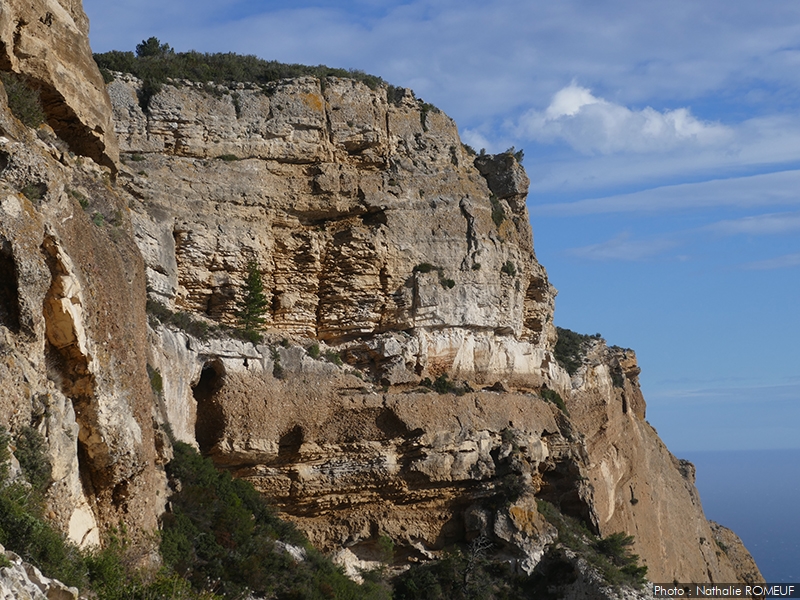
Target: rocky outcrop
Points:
(728, 542)
(47, 41)
(22, 581)
(402, 385)
(373, 229)
(637, 485)
(380, 238)
(73, 334)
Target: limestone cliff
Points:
(47, 41)
(72, 324)
(401, 387)
(381, 237)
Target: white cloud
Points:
(767, 224)
(770, 189)
(786, 261)
(623, 248)
(593, 125)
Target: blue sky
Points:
(662, 140)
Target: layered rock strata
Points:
(381, 241)
(381, 238)
(372, 226)
(47, 41)
(72, 333)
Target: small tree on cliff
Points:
(253, 308)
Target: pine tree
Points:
(253, 309)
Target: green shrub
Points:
(571, 348)
(82, 200)
(334, 357)
(424, 268)
(221, 530)
(98, 219)
(5, 455)
(277, 367)
(228, 157)
(424, 109)
(467, 574)
(156, 62)
(555, 398)
(447, 283)
(385, 549)
(156, 381)
(443, 385)
(23, 100)
(610, 556)
(313, 350)
(158, 313)
(31, 452)
(34, 191)
(509, 268)
(498, 212)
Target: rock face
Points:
(401, 387)
(22, 581)
(72, 333)
(47, 41)
(372, 227)
(381, 238)
(637, 485)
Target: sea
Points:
(756, 493)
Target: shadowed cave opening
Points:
(9, 288)
(560, 489)
(290, 442)
(210, 421)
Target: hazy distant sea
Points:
(757, 494)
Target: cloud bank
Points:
(593, 125)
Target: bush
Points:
(156, 381)
(610, 556)
(33, 460)
(277, 367)
(158, 313)
(334, 357)
(155, 62)
(23, 100)
(509, 268)
(221, 530)
(498, 212)
(82, 200)
(34, 191)
(571, 348)
(555, 398)
(313, 350)
(443, 385)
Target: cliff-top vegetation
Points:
(571, 348)
(155, 62)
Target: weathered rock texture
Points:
(22, 581)
(47, 41)
(382, 242)
(73, 334)
(380, 237)
(371, 224)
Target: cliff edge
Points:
(407, 383)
